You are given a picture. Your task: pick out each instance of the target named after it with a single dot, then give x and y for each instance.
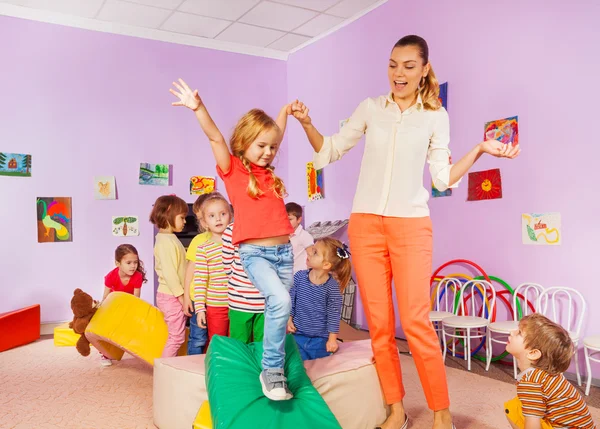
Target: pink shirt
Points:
(300, 240)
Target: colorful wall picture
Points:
(104, 188)
(444, 95)
(435, 193)
(503, 130)
(15, 164)
(54, 219)
(542, 229)
(485, 185)
(314, 178)
(154, 174)
(201, 185)
(125, 226)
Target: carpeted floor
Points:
(42, 386)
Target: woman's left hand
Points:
(499, 149)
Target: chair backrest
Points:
(446, 292)
(526, 294)
(481, 296)
(550, 306)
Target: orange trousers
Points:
(400, 248)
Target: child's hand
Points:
(201, 319)
(187, 97)
(188, 307)
(332, 346)
(180, 299)
(300, 112)
(499, 149)
(290, 326)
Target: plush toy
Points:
(84, 307)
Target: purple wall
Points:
(524, 60)
(86, 103)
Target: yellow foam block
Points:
(125, 323)
(203, 419)
(65, 336)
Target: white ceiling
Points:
(269, 28)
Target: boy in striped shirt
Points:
(246, 303)
(545, 399)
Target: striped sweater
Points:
(243, 296)
(553, 398)
(316, 309)
(210, 278)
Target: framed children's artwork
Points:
(541, 229)
(54, 219)
(201, 185)
(314, 178)
(444, 95)
(504, 130)
(104, 188)
(154, 174)
(485, 185)
(125, 226)
(15, 164)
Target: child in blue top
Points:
(317, 298)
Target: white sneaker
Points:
(274, 385)
(104, 361)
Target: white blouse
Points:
(396, 148)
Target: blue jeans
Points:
(198, 337)
(311, 347)
(270, 269)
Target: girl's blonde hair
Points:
(211, 198)
(247, 130)
(429, 87)
(337, 254)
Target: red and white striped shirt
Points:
(553, 398)
(210, 278)
(243, 296)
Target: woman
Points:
(390, 230)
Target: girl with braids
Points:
(262, 228)
(390, 231)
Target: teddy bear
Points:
(84, 307)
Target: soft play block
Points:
(19, 327)
(125, 323)
(347, 381)
(236, 397)
(65, 336)
(203, 419)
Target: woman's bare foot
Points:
(397, 417)
(442, 419)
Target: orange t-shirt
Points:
(261, 217)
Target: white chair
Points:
(551, 297)
(530, 293)
(446, 292)
(483, 301)
(591, 347)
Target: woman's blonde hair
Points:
(247, 130)
(337, 254)
(429, 87)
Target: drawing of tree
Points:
(2, 159)
(26, 163)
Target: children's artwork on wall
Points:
(201, 185)
(104, 188)
(485, 185)
(343, 122)
(542, 229)
(15, 164)
(435, 193)
(444, 95)
(315, 183)
(125, 226)
(503, 130)
(54, 219)
(154, 174)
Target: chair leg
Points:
(488, 351)
(468, 349)
(515, 366)
(444, 342)
(576, 356)
(588, 366)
